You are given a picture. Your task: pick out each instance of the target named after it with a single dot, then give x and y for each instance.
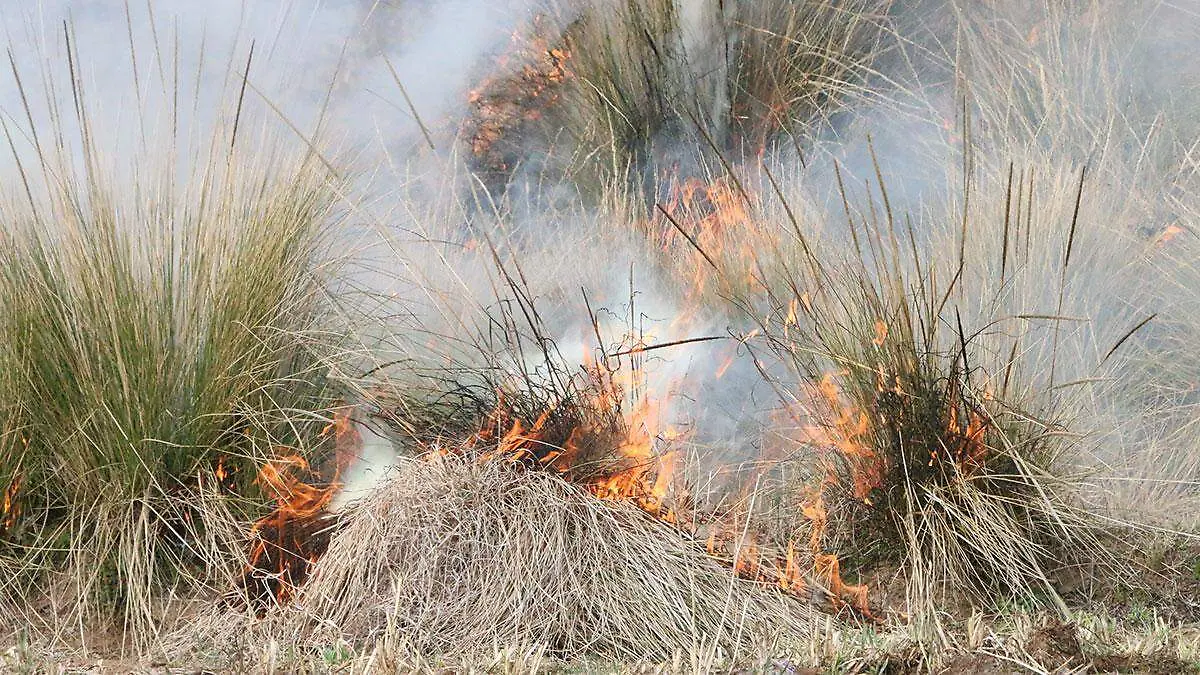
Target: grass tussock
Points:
(965, 477)
(627, 83)
(156, 344)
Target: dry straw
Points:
(451, 557)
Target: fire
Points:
(633, 457)
(790, 319)
(225, 473)
(638, 463)
(828, 569)
(842, 430)
(650, 474)
(295, 498)
(787, 570)
(725, 365)
(968, 450)
(10, 508)
(814, 510)
(709, 220)
(709, 210)
(881, 332)
(827, 566)
(641, 471)
(1168, 233)
(791, 569)
(506, 103)
(847, 429)
(747, 560)
(286, 542)
(845, 432)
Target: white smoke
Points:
(1119, 100)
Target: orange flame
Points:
(288, 540)
(828, 569)
(644, 475)
(10, 508)
(504, 103)
(784, 569)
(881, 332)
(847, 429)
(970, 451)
(1168, 233)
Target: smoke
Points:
(963, 91)
(173, 69)
(989, 115)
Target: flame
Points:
(847, 429)
(969, 451)
(286, 542)
(746, 561)
(642, 468)
(724, 367)
(10, 508)
(881, 332)
(1168, 233)
(649, 474)
(785, 569)
(710, 209)
(295, 498)
(643, 473)
(512, 97)
(707, 220)
(792, 579)
(814, 510)
(226, 471)
(828, 569)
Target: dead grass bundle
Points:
(453, 556)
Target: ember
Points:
(505, 105)
(10, 508)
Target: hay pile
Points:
(456, 557)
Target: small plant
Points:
(336, 655)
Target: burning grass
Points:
(454, 556)
(556, 500)
(599, 87)
(964, 475)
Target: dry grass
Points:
(934, 451)
(452, 557)
(636, 86)
(1014, 352)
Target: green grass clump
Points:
(157, 341)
